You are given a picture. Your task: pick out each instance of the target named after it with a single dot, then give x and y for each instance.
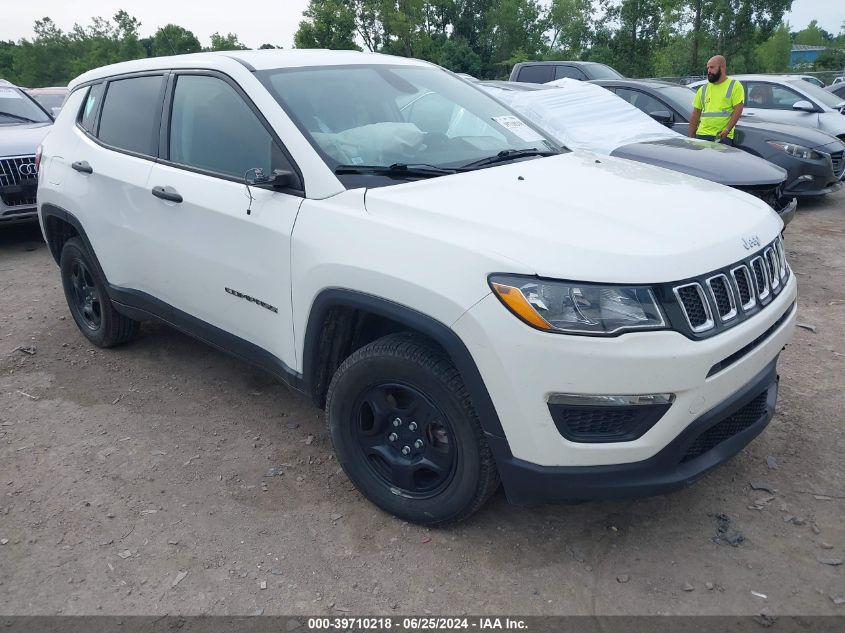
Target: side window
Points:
(769, 96)
(213, 129)
(130, 117)
(569, 72)
(644, 102)
(90, 105)
(538, 74)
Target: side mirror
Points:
(804, 106)
(280, 179)
(55, 111)
(662, 116)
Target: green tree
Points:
(46, 60)
(773, 54)
(457, 55)
(228, 42)
(812, 35)
(7, 61)
(174, 40)
(569, 23)
(327, 24)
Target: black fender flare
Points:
(442, 334)
(50, 210)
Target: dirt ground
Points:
(138, 481)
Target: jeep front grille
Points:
(725, 297)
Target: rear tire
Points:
(406, 433)
(88, 299)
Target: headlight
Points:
(576, 308)
(799, 151)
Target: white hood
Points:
(22, 140)
(584, 217)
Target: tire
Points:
(398, 393)
(88, 300)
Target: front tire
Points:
(89, 301)
(406, 433)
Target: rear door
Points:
(219, 250)
(118, 129)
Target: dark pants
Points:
(725, 141)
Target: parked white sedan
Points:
(790, 99)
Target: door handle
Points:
(167, 193)
(83, 167)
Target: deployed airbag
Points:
(584, 116)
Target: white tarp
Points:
(583, 115)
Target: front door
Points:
(223, 249)
(772, 102)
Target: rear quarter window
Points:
(87, 118)
(131, 112)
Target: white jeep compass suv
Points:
(470, 303)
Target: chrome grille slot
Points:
(695, 307)
(761, 280)
(772, 267)
(782, 257)
(742, 279)
(723, 297)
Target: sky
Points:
(259, 21)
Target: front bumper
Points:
(706, 443)
(522, 367)
(812, 177)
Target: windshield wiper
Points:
(416, 170)
(18, 117)
(508, 154)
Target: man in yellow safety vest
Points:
(717, 105)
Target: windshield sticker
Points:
(518, 127)
(8, 93)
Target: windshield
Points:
(380, 115)
(16, 108)
(819, 94)
(49, 99)
(600, 71)
(680, 98)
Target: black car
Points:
(542, 72)
(711, 161)
(814, 160)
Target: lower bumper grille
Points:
(838, 160)
(727, 428)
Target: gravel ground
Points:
(138, 481)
